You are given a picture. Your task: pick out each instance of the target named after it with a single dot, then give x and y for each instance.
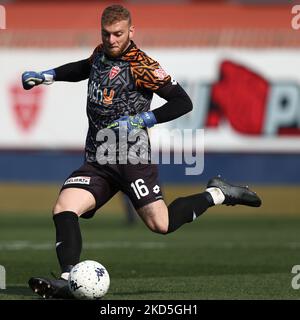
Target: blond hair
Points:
(115, 13)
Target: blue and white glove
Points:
(138, 121)
(32, 78)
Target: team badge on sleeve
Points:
(160, 73)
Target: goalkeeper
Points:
(121, 83)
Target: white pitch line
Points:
(18, 245)
(27, 245)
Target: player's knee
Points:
(58, 207)
(158, 227)
(61, 207)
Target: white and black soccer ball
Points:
(88, 280)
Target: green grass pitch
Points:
(216, 257)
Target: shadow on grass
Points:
(137, 292)
(16, 293)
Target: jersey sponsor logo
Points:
(108, 98)
(99, 96)
(114, 72)
(78, 180)
(160, 73)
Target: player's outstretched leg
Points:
(232, 195)
(187, 209)
(50, 288)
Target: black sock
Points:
(186, 209)
(68, 239)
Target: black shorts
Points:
(138, 181)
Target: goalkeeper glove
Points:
(32, 78)
(139, 121)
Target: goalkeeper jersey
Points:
(119, 87)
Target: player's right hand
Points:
(31, 79)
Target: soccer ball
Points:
(88, 280)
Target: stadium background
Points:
(238, 60)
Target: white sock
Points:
(65, 275)
(216, 194)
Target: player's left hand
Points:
(138, 121)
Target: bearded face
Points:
(116, 37)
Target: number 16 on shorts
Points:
(139, 188)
